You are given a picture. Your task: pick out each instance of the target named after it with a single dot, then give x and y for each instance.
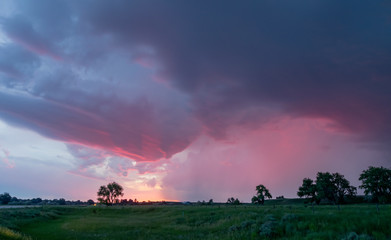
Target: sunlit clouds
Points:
(189, 100)
(279, 154)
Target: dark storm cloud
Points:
(22, 32)
(40, 27)
(322, 59)
(16, 64)
(129, 130)
(240, 63)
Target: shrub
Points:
(351, 236)
(269, 227)
(247, 224)
(233, 228)
(289, 217)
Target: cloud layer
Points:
(142, 80)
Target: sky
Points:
(191, 100)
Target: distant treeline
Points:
(327, 188)
(334, 188)
(6, 198)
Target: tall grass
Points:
(206, 222)
(8, 234)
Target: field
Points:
(294, 221)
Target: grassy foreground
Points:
(197, 222)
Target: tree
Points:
(376, 181)
(233, 201)
(262, 192)
(90, 202)
(14, 200)
(325, 187)
(342, 188)
(333, 187)
(36, 200)
(5, 198)
(62, 201)
(109, 194)
(308, 190)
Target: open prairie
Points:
(294, 221)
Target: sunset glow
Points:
(190, 100)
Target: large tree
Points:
(262, 192)
(343, 188)
(325, 187)
(110, 193)
(333, 187)
(5, 198)
(376, 181)
(308, 190)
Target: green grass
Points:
(8, 234)
(293, 221)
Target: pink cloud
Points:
(132, 130)
(5, 158)
(36, 48)
(105, 164)
(22, 32)
(278, 155)
(151, 183)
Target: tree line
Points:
(327, 187)
(335, 188)
(6, 198)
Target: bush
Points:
(289, 217)
(269, 227)
(247, 224)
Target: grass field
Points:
(198, 222)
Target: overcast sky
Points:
(191, 100)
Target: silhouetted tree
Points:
(36, 200)
(308, 190)
(90, 202)
(343, 188)
(333, 187)
(109, 194)
(325, 187)
(14, 200)
(5, 198)
(262, 192)
(233, 201)
(376, 181)
(61, 201)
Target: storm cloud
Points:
(144, 79)
(323, 59)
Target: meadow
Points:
(272, 221)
